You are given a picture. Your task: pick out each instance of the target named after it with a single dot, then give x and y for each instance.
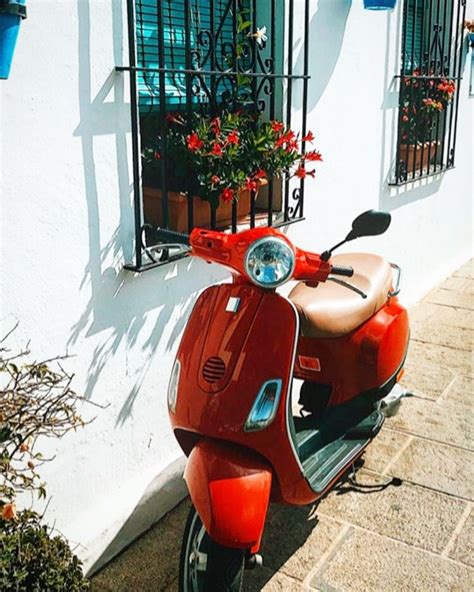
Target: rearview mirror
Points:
(369, 223)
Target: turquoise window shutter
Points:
(174, 46)
(414, 35)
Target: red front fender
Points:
(230, 490)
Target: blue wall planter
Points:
(380, 4)
(11, 14)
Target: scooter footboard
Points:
(230, 490)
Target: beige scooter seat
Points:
(333, 310)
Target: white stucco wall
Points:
(67, 228)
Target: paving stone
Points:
(367, 562)
(466, 270)
(455, 283)
(151, 563)
(445, 468)
(440, 359)
(433, 331)
(414, 515)
(461, 392)
(423, 377)
(380, 451)
(463, 549)
(444, 421)
(451, 298)
(176, 519)
(268, 581)
(295, 539)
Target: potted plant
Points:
(11, 14)
(218, 160)
(424, 100)
(36, 402)
(469, 25)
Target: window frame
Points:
(439, 50)
(287, 78)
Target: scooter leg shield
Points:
(230, 490)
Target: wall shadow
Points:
(326, 31)
(121, 301)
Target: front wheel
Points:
(206, 566)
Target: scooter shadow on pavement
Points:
(289, 528)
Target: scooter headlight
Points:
(269, 262)
(173, 386)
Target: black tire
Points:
(224, 570)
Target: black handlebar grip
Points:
(345, 270)
(171, 236)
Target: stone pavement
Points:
(417, 536)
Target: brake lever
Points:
(348, 286)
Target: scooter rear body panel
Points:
(237, 338)
(361, 361)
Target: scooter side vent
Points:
(213, 370)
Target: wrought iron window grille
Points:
(430, 78)
(182, 59)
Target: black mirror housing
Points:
(370, 223)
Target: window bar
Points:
(235, 9)
(162, 90)
(430, 72)
(137, 190)
(424, 72)
(438, 70)
(305, 101)
(398, 168)
(445, 71)
(413, 90)
(189, 100)
(212, 89)
(458, 50)
(271, 182)
(289, 97)
(451, 74)
(454, 49)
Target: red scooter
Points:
(229, 395)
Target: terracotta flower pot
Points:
(178, 209)
(419, 156)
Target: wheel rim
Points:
(195, 560)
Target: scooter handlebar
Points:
(345, 270)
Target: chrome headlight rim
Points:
(269, 239)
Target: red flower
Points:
(260, 174)
(405, 118)
(215, 180)
(194, 142)
(156, 155)
(217, 150)
(233, 138)
(251, 184)
(314, 156)
(277, 126)
(293, 145)
(227, 195)
(216, 125)
(9, 512)
(308, 138)
(285, 139)
(302, 173)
